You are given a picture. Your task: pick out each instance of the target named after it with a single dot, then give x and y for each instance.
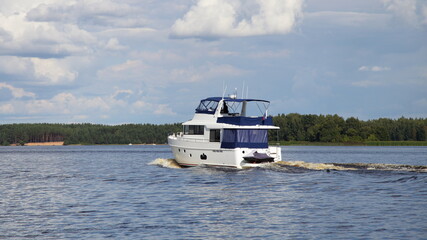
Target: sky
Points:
(146, 61)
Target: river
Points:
(136, 192)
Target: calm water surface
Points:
(112, 192)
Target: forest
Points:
(333, 129)
(293, 127)
(86, 133)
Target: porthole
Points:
(191, 155)
(179, 150)
(184, 150)
(243, 152)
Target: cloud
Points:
(424, 12)
(367, 83)
(53, 71)
(43, 71)
(237, 18)
(203, 73)
(19, 37)
(16, 92)
(6, 108)
(348, 19)
(89, 14)
(114, 45)
(373, 69)
(157, 109)
(270, 54)
(410, 11)
(133, 70)
(66, 103)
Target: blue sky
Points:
(143, 61)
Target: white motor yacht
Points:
(226, 132)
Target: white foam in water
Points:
(353, 166)
(167, 163)
(313, 166)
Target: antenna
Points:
(243, 90)
(224, 89)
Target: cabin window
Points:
(248, 138)
(215, 135)
(194, 129)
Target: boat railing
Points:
(181, 136)
(178, 134)
(194, 140)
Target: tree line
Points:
(86, 133)
(293, 127)
(333, 128)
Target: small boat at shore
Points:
(226, 132)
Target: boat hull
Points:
(196, 153)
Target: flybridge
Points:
(233, 106)
(243, 112)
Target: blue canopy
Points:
(229, 99)
(210, 104)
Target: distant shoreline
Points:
(368, 143)
(281, 143)
(82, 144)
(40, 144)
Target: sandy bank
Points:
(45, 144)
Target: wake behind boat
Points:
(226, 131)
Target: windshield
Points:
(207, 106)
(247, 108)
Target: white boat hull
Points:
(188, 153)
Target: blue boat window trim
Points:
(207, 106)
(245, 138)
(246, 121)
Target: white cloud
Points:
(221, 53)
(19, 37)
(123, 93)
(373, 69)
(160, 56)
(53, 70)
(270, 54)
(237, 18)
(17, 92)
(16, 66)
(88, 13)
(367, 83)
(64, 103)
(43, 71)
(411, 11)
(164, 109)
(424, 12)
(7, 108)
(348, 19)
(114, 44)
(131, 69)
(155, 74)
(158, 109)
(203, 73)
